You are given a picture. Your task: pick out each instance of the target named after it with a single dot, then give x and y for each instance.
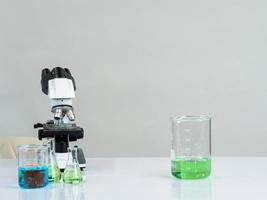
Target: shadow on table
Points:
(191, 189)
(53, 192)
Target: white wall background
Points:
(137, 63)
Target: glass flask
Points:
(191, 147)
(32, 166)
(72, 173)
(53, 168)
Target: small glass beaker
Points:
(191, 147)
(32, 166)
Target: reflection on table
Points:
(53, 192)
(191, 189)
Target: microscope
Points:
(60, 87)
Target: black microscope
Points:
(60, 86)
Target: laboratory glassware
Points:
(72, 173)
(191, 147)
(32, 166)
(53, 168)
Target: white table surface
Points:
(148, 178)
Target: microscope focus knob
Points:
(38, 125)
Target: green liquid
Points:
(54, 174)
(191, 168)
(72, 176)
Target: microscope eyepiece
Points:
(67, 70)
(57, 72)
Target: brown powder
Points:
(34, 178)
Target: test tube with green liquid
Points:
(191, 147)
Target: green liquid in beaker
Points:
(53, 174)
(72, 176)
(191, 168)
